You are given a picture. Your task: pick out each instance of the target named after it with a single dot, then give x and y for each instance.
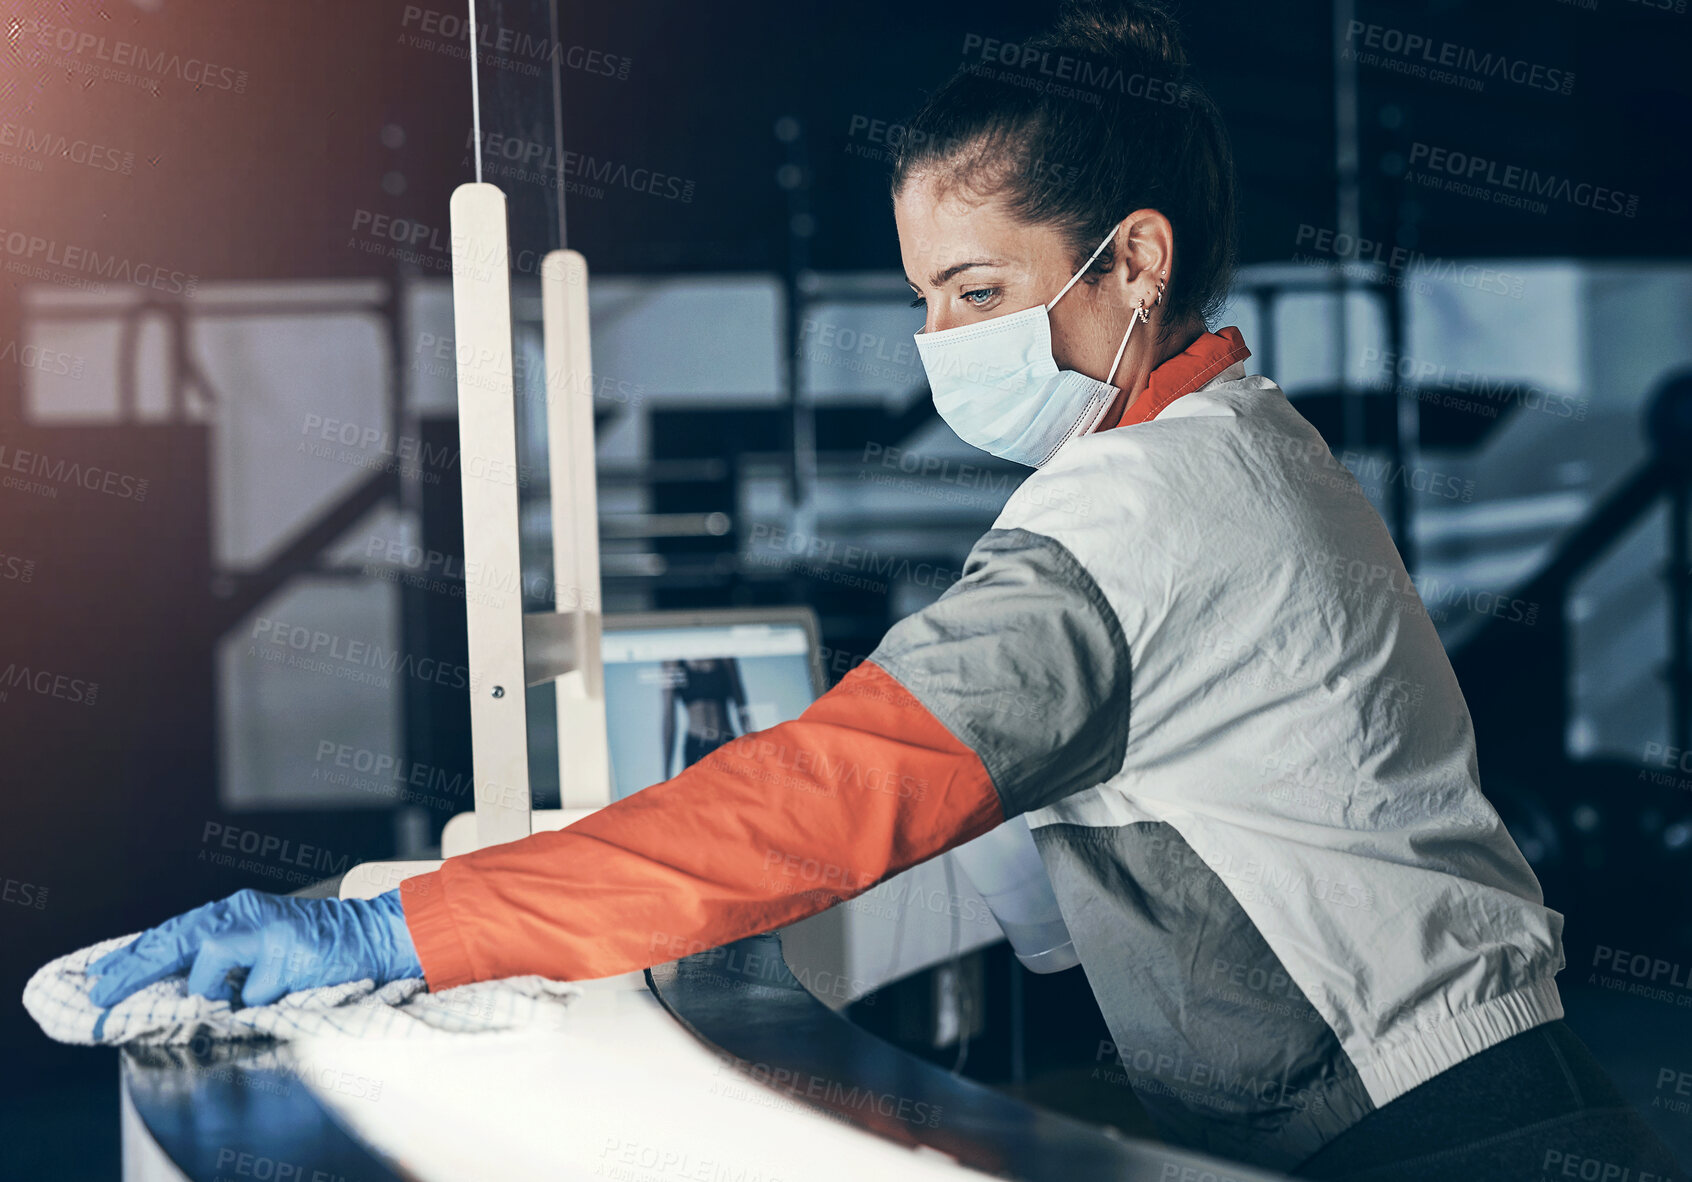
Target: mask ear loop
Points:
(1142, 315)
(1138, 316)
(1087, 421)
(1098, 250)
(1139, 313)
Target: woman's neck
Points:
(1164, 346)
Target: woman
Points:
(1250, 771)
(714, 698)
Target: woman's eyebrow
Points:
(940, 278)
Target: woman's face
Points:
(967, 260)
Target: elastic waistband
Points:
(1397, 1066)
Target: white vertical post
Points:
(487, 457)
(584, 773)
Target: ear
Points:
(1145, 243)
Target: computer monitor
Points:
(678, 685)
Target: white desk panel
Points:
(623, 1092)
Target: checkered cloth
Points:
(165, 1012)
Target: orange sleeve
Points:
(769, 829)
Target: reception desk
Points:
(713, 1068)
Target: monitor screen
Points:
(675, 693)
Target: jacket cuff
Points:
(434, 932)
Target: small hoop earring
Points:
(1143, 314)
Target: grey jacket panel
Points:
(1218, 1043)
(1024, 661)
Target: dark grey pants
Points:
(1536, 1106)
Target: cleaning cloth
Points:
(166, 1013)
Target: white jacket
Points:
(1249, 769)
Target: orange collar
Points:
(1185, 372)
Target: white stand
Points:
(511, 651)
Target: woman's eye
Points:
(919, 302)
(985, 294)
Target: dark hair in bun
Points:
(1081, 125)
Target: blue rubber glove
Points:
(279, 943)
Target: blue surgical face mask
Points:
(997, 385)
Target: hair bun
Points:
(1144, 33)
